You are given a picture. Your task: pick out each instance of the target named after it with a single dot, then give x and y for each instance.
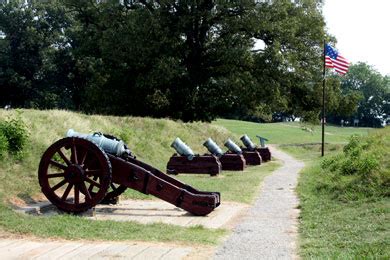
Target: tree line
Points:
(182, 59)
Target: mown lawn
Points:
(290, 132)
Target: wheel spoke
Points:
(66, 160)
(66, 193)
(86, 192)
(58, 185)
(76, 195)
(92, 182)
(92, 185)
(74, 154)
(84, 157)
(58, 165)
(55, 175)
(113, 186)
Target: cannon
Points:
(251, 157)
(79, 171)
(262, 150)
(229, 161)
(185, 161)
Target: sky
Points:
(362, 30)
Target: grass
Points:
(310, 152)
(290, 133)
(340, 218)
(346, 215)
(332, 229)
(150, 140)
(75, 228)
(234, 186)
(331, 225)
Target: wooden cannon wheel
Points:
(74, 174)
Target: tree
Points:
(27, 56)
(189, 60)
(374, 89)
(288, 69)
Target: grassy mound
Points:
(362, 170)
(149, 139)
(345, 202)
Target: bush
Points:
(359, 170)
(15, 131)
(3, 145)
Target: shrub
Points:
(15, 131)
(358, 171)
(3, 145)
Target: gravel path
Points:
(269, 230)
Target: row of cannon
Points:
(236, 158)
(81, 170)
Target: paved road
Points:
(269, 230)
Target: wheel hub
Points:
(74, 174)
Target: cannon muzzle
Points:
(213, 148)
(112, 146)
(248, 142)
(233, 147)
(182, 149)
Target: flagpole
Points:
(323, 106)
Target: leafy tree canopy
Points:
(186, 59)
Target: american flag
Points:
(334, 60)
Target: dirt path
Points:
(269, 230)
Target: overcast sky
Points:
(362, 29)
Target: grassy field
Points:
(290, 133)
(150, 140)
(341, 229)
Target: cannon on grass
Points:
(251, 157)
(229, 161)
(262, 150)
(185, 161)
(79, 171)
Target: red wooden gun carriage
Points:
(79, 171)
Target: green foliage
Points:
(358, 171)
(15, 132)
(345, 202)
(29, 55)
(3, 145)
(339, 228)
(368, 91)
(188, 60)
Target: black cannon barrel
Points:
(248, 142)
